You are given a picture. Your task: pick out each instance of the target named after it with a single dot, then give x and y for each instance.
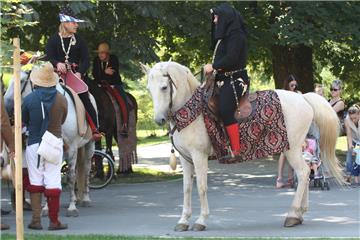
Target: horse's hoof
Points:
(181, 227)
(85, 204)
(292, 222)
(44, 213)
(72, 213)
(198, 227)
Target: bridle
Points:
(26, 83)
(171, 85)
(172, 130)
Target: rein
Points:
(26, 83)
(169, 116)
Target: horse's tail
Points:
(328, 123)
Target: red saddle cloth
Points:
(262, 134)
(75, 83)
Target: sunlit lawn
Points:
(151, 137)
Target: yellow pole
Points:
(18, 143)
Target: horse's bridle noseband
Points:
(169, 118)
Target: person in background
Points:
(290, 84)
(337, 103)
(319, 89)
(106, 72)
(352, 127)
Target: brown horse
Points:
(108, 122)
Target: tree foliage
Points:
(156, 31)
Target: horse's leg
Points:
(109, 138)
(201, 168)
(72, 211)
(300, 203)
(188, 178)
(86, 165)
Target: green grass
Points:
(145, 175)
(146, 137)
(151, 137)
(109, 237)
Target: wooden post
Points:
(18, 143)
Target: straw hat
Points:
(44, 76)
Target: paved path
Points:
(242, 199)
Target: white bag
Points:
(50, 148)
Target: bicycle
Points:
(99, 177)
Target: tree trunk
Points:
(293, 60)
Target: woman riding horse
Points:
(229, 62)
(66, 48)
(106, 73)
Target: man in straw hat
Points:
(106, 72)
(44, 109)
(66, 49)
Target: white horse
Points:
(172, 84)
(80, 149)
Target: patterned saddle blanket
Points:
(262, 134)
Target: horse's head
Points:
(170, 85)
(25, 86)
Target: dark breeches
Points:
(227, 100)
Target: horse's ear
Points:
(170, 59)
(145, 69)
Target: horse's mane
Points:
(178, 72)
(193, 82)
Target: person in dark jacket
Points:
(106, 72)
(45, 109)
(229, 66)
(66, 48)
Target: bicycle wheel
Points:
(64, 173)
(102, 170)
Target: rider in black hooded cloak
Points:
(228, 39)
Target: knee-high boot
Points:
(35, 197)
(36, 211)
(53, 200)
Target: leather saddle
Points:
(247, 103)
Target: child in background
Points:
(356, 169)
(309, 154)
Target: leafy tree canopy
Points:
(154, 31)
